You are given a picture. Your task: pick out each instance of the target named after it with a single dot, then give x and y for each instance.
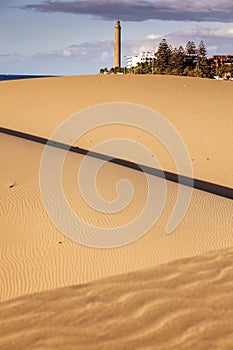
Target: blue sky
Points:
(76, 37)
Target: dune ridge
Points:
(213, 188)
(35, 256)
(186, 304)
(200, 110)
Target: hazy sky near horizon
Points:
(76, 37)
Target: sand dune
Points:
(186, 304)
(200, 109)
(35, 256)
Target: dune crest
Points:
(35, 256)
(200, 110)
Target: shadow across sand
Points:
(213, 188)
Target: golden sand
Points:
(187, 304)
(183, 305)
(200, 110)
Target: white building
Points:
(145, 56)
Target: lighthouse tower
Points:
(117, 45)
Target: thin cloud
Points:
(207, 32)
(154, 36)
(94, 50)
(141, 10)
(217, 41)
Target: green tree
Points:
(177, 61)
(190, 58)
(225, 71)
(103, 70)
(142, 68)
(163, 56)
(203, 68)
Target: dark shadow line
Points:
(205, 186)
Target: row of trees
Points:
(188, 61)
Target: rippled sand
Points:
(185, 304)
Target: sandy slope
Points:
(200, 109)
(183, 305)
(35, 256)
(187, 304)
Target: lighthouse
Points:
(117, 45)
